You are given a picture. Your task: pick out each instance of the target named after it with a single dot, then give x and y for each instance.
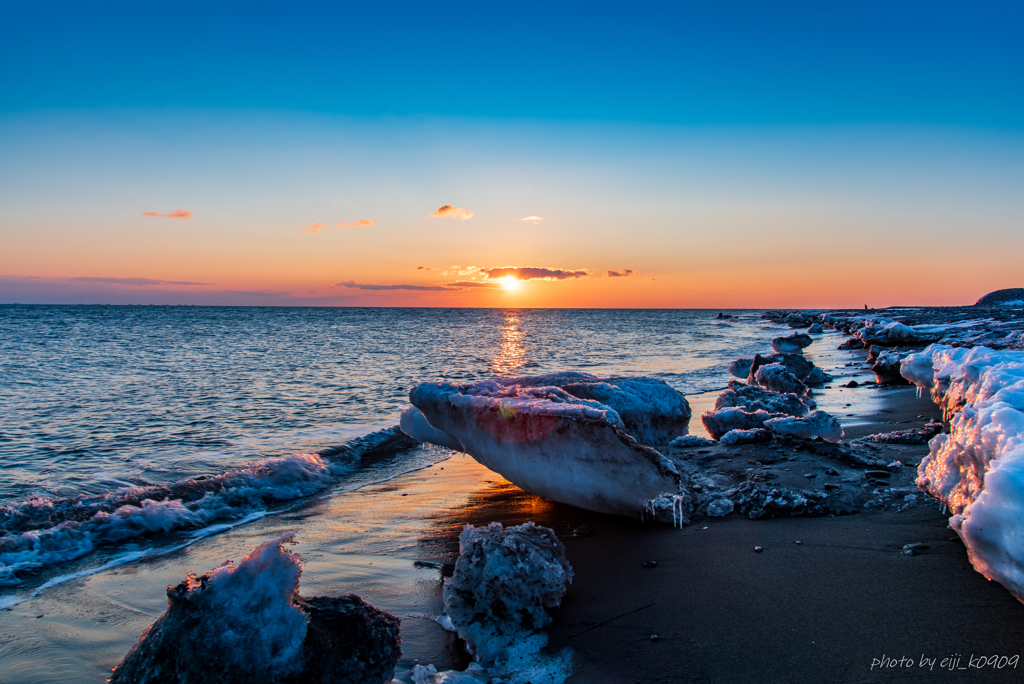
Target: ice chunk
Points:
(753, 398)
(815, 424)
(724, 420)
(887, 367)
(720, 507)
(415, 424)
(775, 378)
(794, 363)
(752, 436)
(740, 368)
(688, 441)
(505, 581)
(817, 377)
(247, 623)
(793, 343)
(815, 329)
(550, 443)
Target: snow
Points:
(550, 443)
(720, 508)
(977, 470)
(815, 424)
(505, 581)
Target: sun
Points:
(510, 282)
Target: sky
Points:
(684, 154)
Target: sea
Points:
(140, 443)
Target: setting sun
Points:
(510, 282)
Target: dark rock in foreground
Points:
(247, 624)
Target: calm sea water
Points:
(104, 407)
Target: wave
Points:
(41, 532)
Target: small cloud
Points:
(424, 268)
(361, 223)
(472, 283)
(532, 219)
(361, 286)
(131, 281)
(534, 273)
(177, 213)
(454, 212)
(315, 228)
(620, 274)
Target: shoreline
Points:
(722, 612)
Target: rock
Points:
(814, 330)
(913, 549)
(247, 623)
(817, 377)
(649, 564)
(852, 343)
(851, 384)
(887, 367)
(877, 473)
(758, 549)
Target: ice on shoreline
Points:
(505, 581)
(42, 532)
(555, 444)
(977, 470)
(247, 623)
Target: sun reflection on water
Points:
(512, 354)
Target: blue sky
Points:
(702, 146)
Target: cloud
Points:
(534, 273)
(454, 212)
(315, 228)
(532, 219)
(177, 213)
(130, 281)
(361, 286)
(424, 268)
(620, 274)
(472, 283)
(361, 223)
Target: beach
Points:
(823, 609)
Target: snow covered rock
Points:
(505, 581)
(740, 368)
(977, 469)
(793, 343)
(247, 623)
(814, 330)
(551, 443)
(815, 424)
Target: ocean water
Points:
(128, 431)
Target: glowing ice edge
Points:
(977, 470)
